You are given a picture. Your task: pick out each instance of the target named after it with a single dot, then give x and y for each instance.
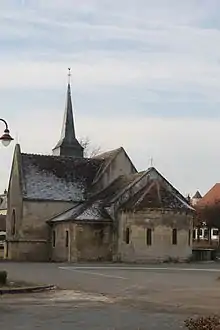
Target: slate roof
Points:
(57, 178)
(88, 211)
(157, 193)
(68, 145)
(155, 196)
(212, 196)
(93, 209)
(108, 154)
(117, 186)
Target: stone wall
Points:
(161, 248)
(32, 232)
(120, 165)
(34, 250)
(14, 203)
(60, 250)
(87, 242)
(94, 242)
(35, 215)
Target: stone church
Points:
(67, 208)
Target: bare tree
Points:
(90, 150)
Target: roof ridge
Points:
(111, 158)
(61, 157)
(116, 150)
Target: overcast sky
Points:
(145, 76)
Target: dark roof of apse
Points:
(57, 178)
(154, 196)
(94, 207)
(157, 193)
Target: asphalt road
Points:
(78, 316)
(110, 296)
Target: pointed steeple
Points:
(68, 145)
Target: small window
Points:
(206, 233)
(127, 236)
(189, 237)
(194, 234)
(67, 238)
(13, 223)
(2, 236)
(174, 236)
(54, 238)
(101, 236)
(200, 232)
(149, 236)
(215, 232)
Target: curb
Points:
(31, 289)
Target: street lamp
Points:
(6, 137)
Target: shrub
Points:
(203, 323)
(3, 277)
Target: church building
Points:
(67, 208)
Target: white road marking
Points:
(73, 269)
(139, 268)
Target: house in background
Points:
(196, 198)
(65, 207)
(201, 235)
(3, 212)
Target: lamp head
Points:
(6, 138)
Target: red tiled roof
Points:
(212, 196)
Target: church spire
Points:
(68, 145)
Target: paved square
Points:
(110, 296)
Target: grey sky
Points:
(145, 75)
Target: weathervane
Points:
(151, 162)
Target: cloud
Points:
(147, 69)
(183, 150)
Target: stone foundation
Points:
(27, 250)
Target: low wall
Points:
(27, 250)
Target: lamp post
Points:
(6, 137)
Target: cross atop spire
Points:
(69, 75)
(68, 145)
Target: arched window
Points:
(189, 237)
(13, 223)
(149, 236)
(53, 238)
(127, 235)
(174, 236)
(67, 238)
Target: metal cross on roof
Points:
(69, 75)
